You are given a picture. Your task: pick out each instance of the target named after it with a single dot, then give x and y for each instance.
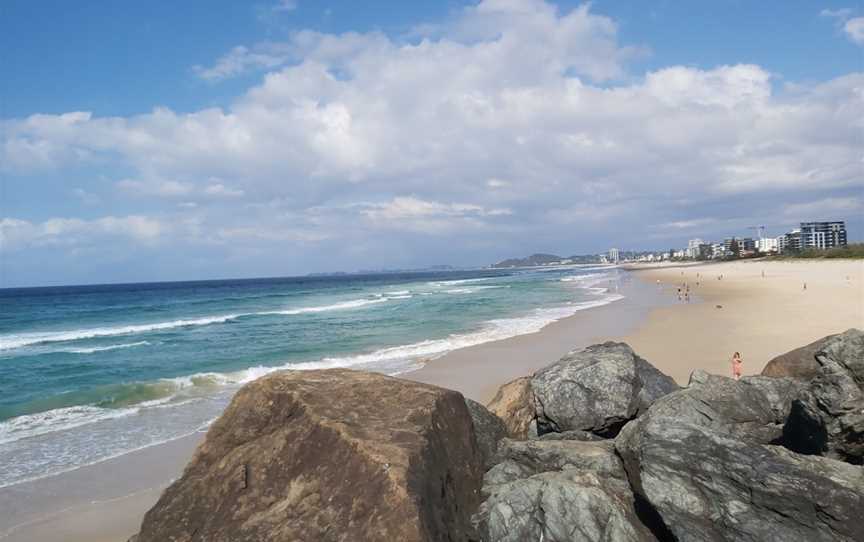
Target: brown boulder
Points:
(331, 455)
(514, 404)
(798, 363)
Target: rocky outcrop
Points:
(557, 491)
(707, 459)
(798, 363)
(341, 455)
(489, 429)
(595, 390)
(753, 408)
(514, 404)
(710, 486)
(331, 455)
(828, 416)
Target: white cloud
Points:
(158, 187)
(241, 60)
(219, 190)
(511, 116)
(15, 233)
(854, 29)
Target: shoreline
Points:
(760, 317)
(478, 371)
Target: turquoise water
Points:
(93, 372)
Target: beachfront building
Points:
(767, 245)
(693, 250)
(823, 234)
(717, 250)
(790, 242)
(613, 255)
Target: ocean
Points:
(94, 372)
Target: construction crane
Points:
(758, 230)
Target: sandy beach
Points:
(759, 316)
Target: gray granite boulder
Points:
(561, 490)
(710, 486)
(597, 389)
(753, 408)
(488, 429)
(827, 418)
(568, 506)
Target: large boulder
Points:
(331, 455)
(709, 486)
(597, 389)
(514, 404)
(798, 363)
(753, 408)
(558, 491)
(828, 416)
(488, 429)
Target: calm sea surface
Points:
(92, 372)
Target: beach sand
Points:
(760, 317)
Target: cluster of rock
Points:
(599, 446)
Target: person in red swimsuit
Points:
(736, 365)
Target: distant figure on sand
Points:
(736, 365)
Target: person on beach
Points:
(736, 365)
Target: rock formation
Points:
(597, 390)
(332, 455)
(827, 418)
(489, 429)
(514, 404)
(710, 486)
(558, 491)
(602, 447)
(798, 363)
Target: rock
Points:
(597, 389)
(331, 455)
(778, 393)
(488, 428)
(827, 418)
(514, 404)
(798, 363)
(753, 408)
(518, 459)
(571, 435)
(709, 486)
(569, 506)
(564, 490)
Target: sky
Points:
(215, 139)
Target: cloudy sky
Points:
(206, 139)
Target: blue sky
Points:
(159, 141)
